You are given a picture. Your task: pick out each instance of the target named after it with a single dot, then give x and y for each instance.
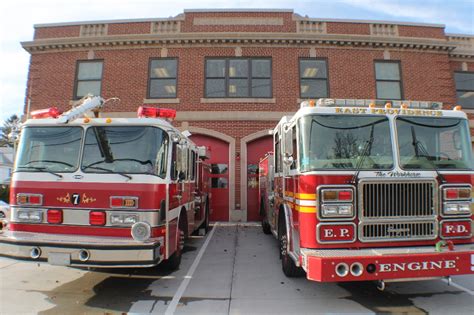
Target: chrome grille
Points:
(382, 200)
(377, 232)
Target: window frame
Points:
(148, 94)
(76, 77)
(314, 79)
(462, 90)
(249, 78)
(400, 80)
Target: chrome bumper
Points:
(59, 249)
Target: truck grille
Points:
(398, 210)
(378, 232)
(397, 199)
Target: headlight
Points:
(332, 210)
(141, 231)
(457, 208)
(29, 215)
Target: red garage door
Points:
(255, 151)
(219, 162)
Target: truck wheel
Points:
(266, 226)
(175, 260)
(206, 220)
(287, 264)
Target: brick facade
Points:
(350, 48)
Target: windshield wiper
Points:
(108, 171)
(418, 146)
(365, 153)
(38, 168)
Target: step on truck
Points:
(105, 192)
(361, 190)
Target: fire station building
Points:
(232, 74)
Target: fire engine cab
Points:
(357, 191)
(105, 192)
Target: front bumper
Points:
(387, 263)
(58, 249)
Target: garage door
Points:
(255, 151)
(219, 162)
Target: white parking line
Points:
(458, 286)
(182, 287)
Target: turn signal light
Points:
(52, 112)
(97, 218)
(454, 193)
(29, 199)
(124, 202)
(55, 216)
(337, 195)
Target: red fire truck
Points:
(105, 192)
(364, 190)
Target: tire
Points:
(174, 261)
(205, 224)
(266, 226)
(287, 264)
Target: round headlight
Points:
(141, 231)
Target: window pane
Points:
(261, 68)
(89, 71)
(313, 69)
(215, 68)
(165, 68)
(163, 88)
(215, 88)
(466, 99)
(261, 88)
(219, 168)
(238, 68)
(388, 90)
(219, 182)
(314, 88)
(86, 87)
(387, 71)
(238, 88)
(464, 81)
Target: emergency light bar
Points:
(152, 112)
(52, 112)
(329, 102)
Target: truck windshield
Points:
(49, 149)
(345, 142)
(427, 143)
(130, 149)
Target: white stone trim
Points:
(242, 21)
(161, 101)
(230, 115)
(243, 167)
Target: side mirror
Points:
(288, 140)
(288, 160)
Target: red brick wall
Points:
(57, 32)
(421, 31)
(288, 24)
(129, 28)
(348, 28)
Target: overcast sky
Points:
(19, 16)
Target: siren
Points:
(152, 112)
(52, 112)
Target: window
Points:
(162, 78)
(88, 78)
(388, 80)
(313, 78)
(238, 78)
(465, 88)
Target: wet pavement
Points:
(233, 270)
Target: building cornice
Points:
(241, 38)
